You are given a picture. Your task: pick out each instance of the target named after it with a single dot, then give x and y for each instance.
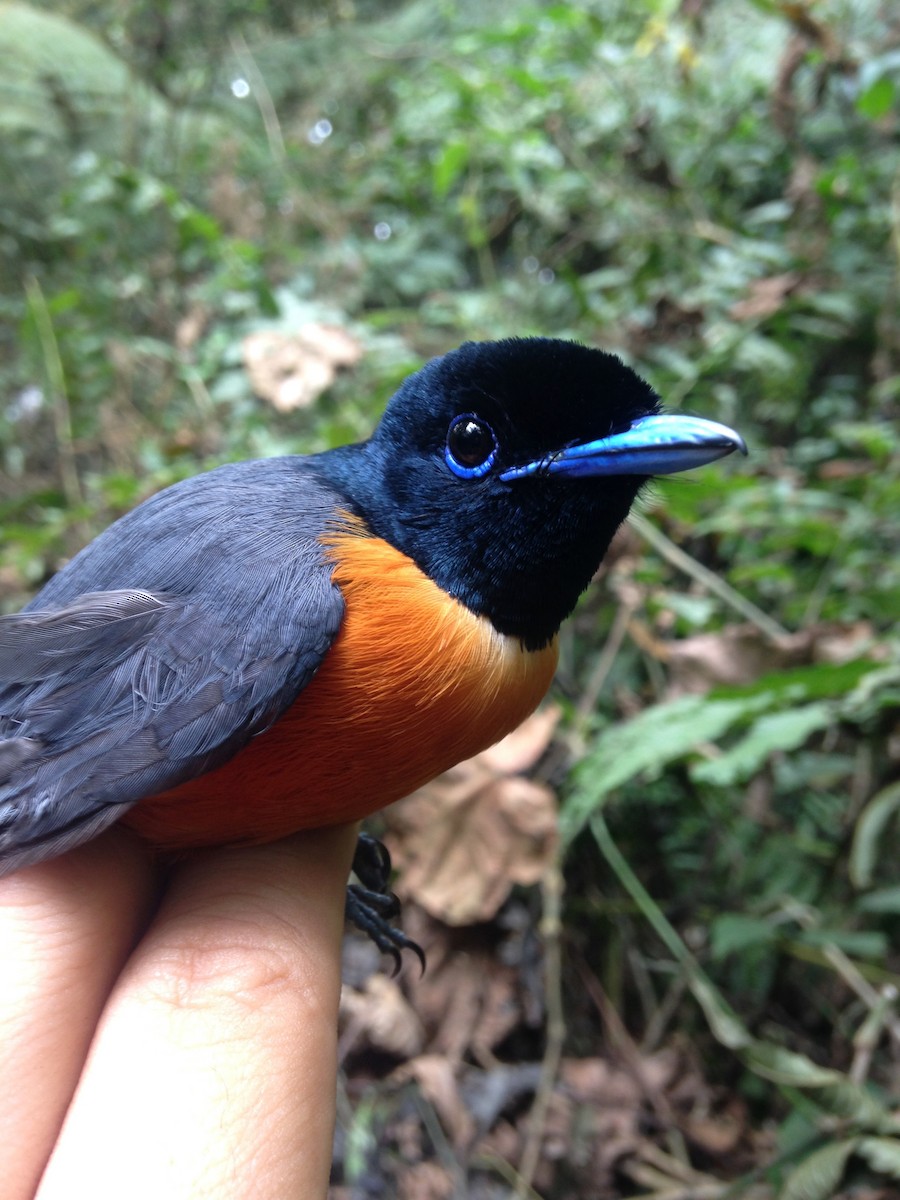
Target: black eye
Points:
(471, 446)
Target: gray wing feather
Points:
(111, 692)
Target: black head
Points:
(486, 471)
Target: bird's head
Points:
(503, 469)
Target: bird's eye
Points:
(471, 446)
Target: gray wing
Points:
(112, 693)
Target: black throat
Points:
(520, 555)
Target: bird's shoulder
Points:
(241, 534)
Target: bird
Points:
(296, 642)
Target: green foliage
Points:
(869, 834)
(771, 713)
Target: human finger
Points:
(213, 1071)
(66, 927)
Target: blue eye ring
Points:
(471, 447)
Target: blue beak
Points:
(660, 445)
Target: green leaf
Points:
(528, 82)
(874, 691)
(645, 744)
(868, 836)
(877, 100)
(881, 1153)
(883, 900)
(808, 683)
(730, 933)
(787, 1068)
(818, 1175)
(776, 731)
(869, 944)
(726, 1026)
(449, 165)
(851, 1102)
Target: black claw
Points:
(372, 863)
(371, 906)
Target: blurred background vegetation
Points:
(229, 230)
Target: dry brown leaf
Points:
(838, 644)
(522, 749)
(460, 845)
(437, 1081)
(425, 1181)
(716, 1136)
(453, 1003)
(463, 842)
(846, 468)
(597, 1081)
(605, 1113)
(467, 1001)
(504, 1142)
(766, 297)
(740, 654)
(293, 370)
(331, 342)
(191, 327)
(382, 1015)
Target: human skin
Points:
(171, 1032)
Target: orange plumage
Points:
(413, 683)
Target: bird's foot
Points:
(372, 906)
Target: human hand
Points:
(171, 1037)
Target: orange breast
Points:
(413, 683)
